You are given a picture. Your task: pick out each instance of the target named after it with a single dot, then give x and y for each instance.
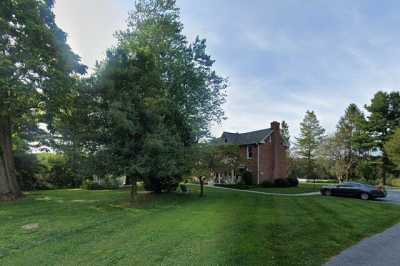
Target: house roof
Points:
(252, 137)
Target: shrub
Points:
(160, 184)
(267, 184)
(57, 171)
(293, 181)
(281, 182)
(235, 186)
(29, 172)
(247, 178)
(106, 183)
(91, 185)
(395, 182)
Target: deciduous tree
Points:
(154, 97)
(35, 68)
(392, 148)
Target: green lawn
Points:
(301, 188)
(225, 228)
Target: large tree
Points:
(383, 120)
(35, 68)
(392, 148)
(349, 140)
(311, 135)
(154, 97)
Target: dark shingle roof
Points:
(252, 137)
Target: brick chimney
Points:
(275, 125)
(276, 140)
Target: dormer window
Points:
(249, 152)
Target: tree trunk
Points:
(201, 186)
(9, 188)
(385, 162)
(133, 188)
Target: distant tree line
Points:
(365, 145)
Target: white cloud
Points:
(282, 57)
(90, 25)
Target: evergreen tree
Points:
(35, 69)
(392, 148)
(383, 120)
(311, 136)
(349, 140)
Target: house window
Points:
(249, 152)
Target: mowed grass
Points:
(79, 227)
(301, 188)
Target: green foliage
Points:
(383, 120)
(293, 182)
(349, 142)
(57, 172)
(281, 182)
(36, 70)
(160, 184)
(267, 183)
(210, 158)
(29, 172)
(286, 182)
(247, 177)
(311, 135)
(107, 183)
(35, 61)
(149, 101)
(395, 182)
(392, 148)
(44, 171)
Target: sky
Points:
(281, 57)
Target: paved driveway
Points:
(393, 196)
(381, 249)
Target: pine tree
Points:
(382, 122)
(311, 135)
(348, 138)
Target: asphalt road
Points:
(381, 249)
(393, 196)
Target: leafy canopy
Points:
(35, 61)
(154, 96)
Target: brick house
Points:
(265, 153)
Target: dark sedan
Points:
(353, 189)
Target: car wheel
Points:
(327, 193)
(364, 196)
